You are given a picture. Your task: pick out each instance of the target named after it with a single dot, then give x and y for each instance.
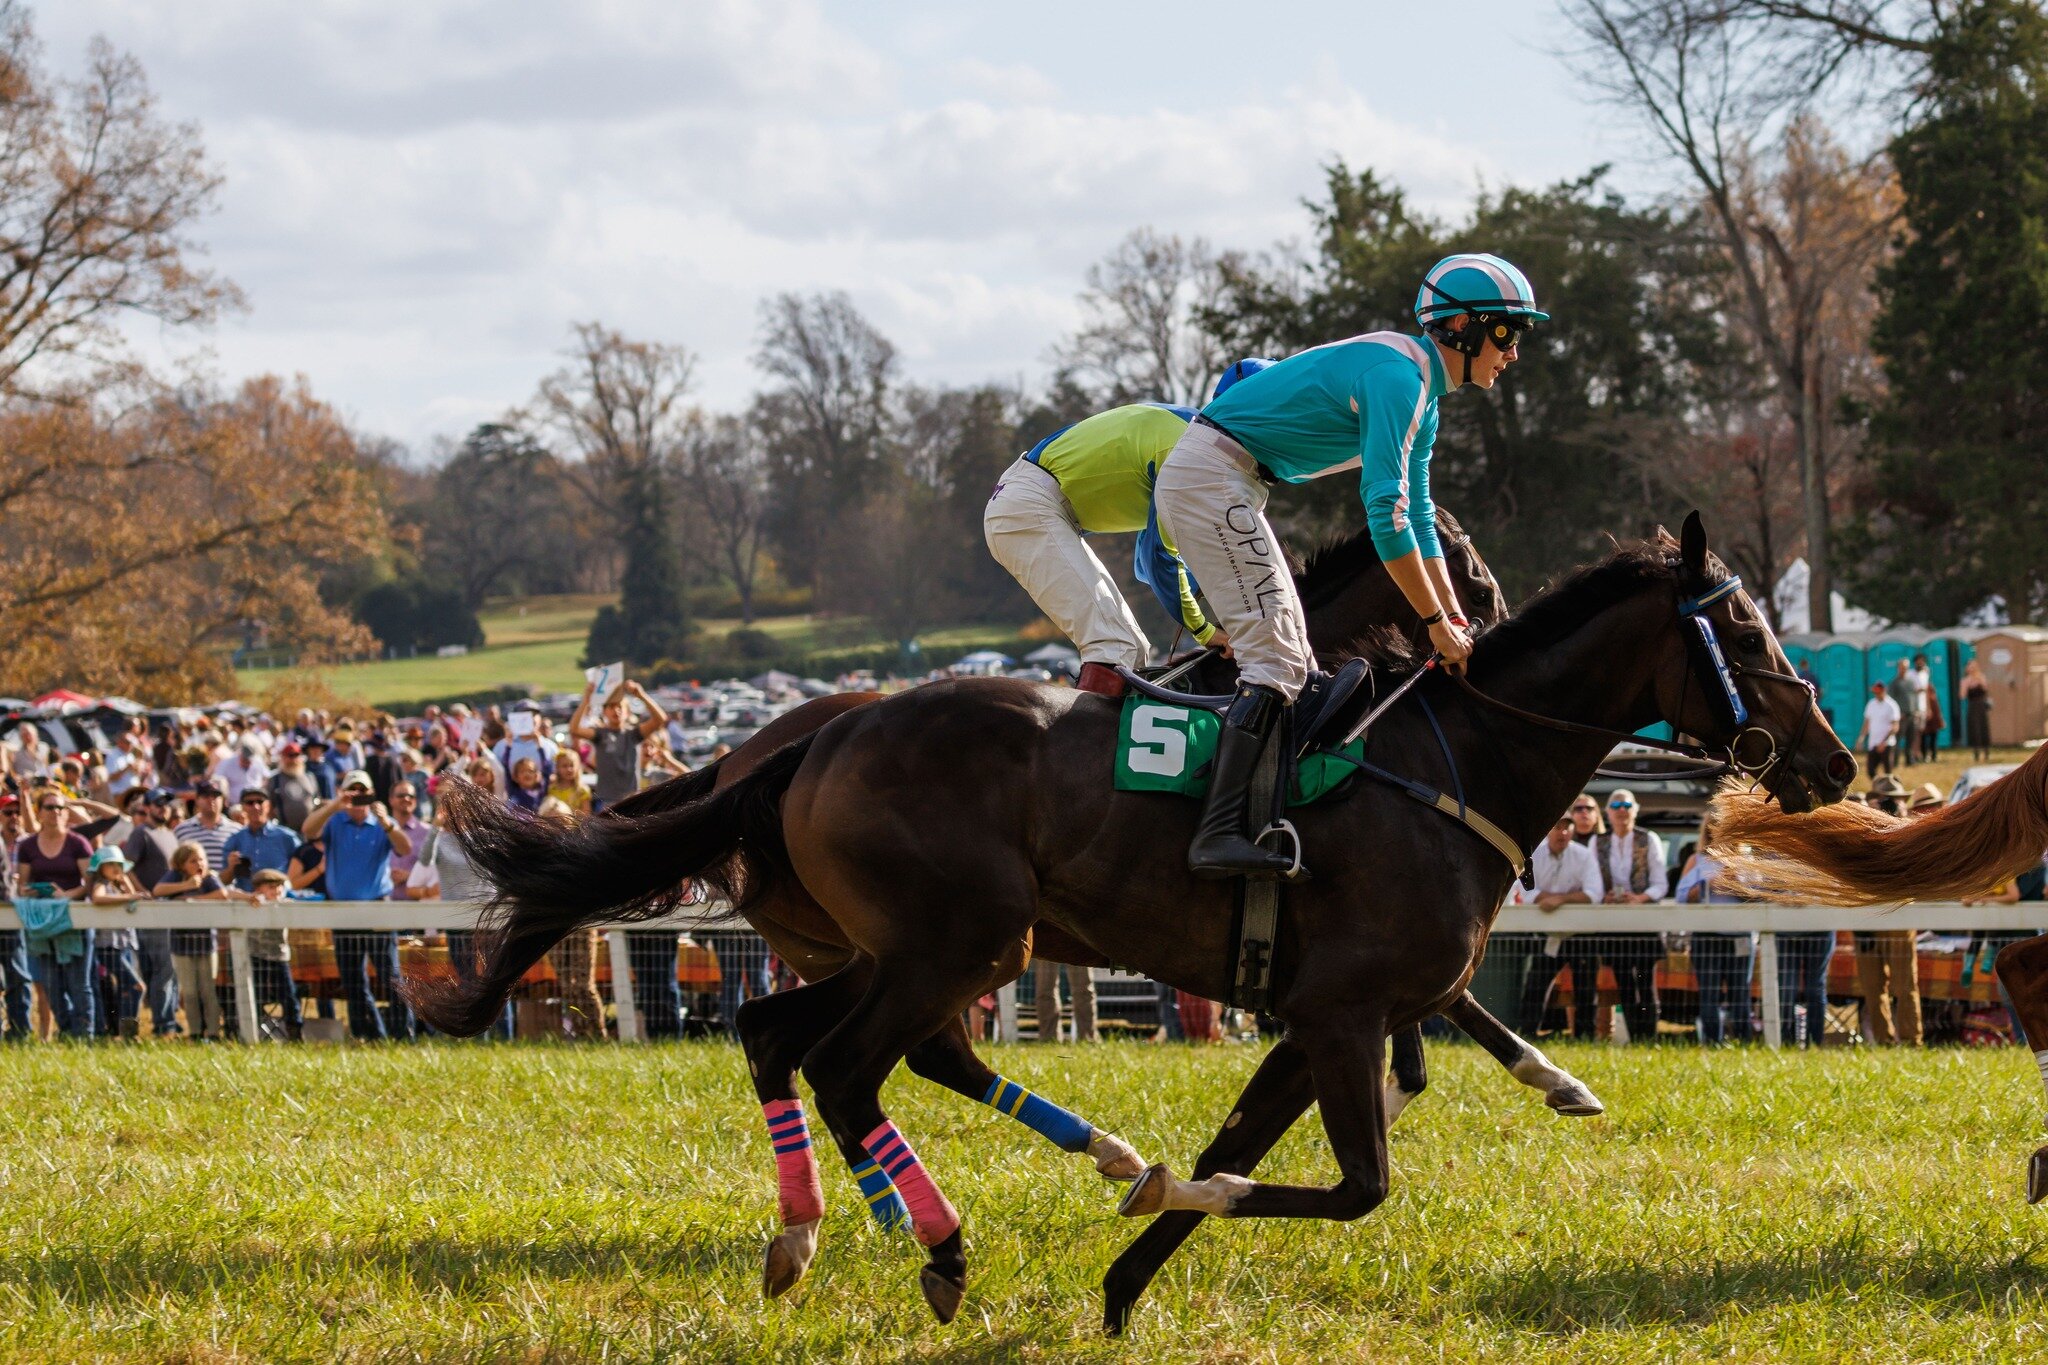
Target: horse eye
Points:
(1752, 641)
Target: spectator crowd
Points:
(244, 809)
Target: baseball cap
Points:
(255, 794)
(290, 750)
(159, 796)
(356, 777)
(207, 787)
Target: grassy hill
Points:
(536, 641)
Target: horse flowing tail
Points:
(552, 879)
(1850, 854)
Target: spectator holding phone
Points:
(359, 838)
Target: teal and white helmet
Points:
(1475, 283)
(1497, 297)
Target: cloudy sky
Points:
(422, 195)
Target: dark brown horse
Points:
(941, 824)
(1350, 600)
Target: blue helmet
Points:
(1477, 284)
(1243, 369)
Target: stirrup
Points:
(1296, 873)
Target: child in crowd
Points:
(193, 951)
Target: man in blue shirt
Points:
(1368, 403)
(359, 837)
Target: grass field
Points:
(550, 1204)
(537, 641)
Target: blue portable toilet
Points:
(1838, 663)
(1960, 644)
(1800, 647)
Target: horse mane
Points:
(1852, 854)
(1335, 562)
(1559, 609)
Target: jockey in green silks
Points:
(1097, 476)
(1368, 404)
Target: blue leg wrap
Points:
(880, 1193)
(1068, 1132)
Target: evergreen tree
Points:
(1957, 500)
(651, 621)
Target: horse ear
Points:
(1692, 546)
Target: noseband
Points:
(1717, 676)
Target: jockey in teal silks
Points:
(1096, 476)
(1368, 403)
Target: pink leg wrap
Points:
(932, 1219)
(800, 1191)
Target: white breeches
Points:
(1034, 534)
(1211, 503)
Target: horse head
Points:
(1730, 686)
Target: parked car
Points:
(1669, 805)
(1977, 779)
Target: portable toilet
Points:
(1956, 647)
(1838, 663)
(2015, 661)
(1801, 647)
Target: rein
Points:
(1724, 673)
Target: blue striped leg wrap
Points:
(880, 1193)
(1068, 1132)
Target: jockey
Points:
(1367, 403)
(1097, 476)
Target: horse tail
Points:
(552, 879)
(1851, 854)
(667, 795)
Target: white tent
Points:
(982, 661)
(1048, 655)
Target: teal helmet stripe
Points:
(1475, 283)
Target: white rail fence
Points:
(1768, 921)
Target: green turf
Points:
(538, 642)
(167, 1202)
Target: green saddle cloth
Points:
(1165, 748)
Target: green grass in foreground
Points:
(546, 1203)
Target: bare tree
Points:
(1143, 339)
(1802, 229)
(618, 404)
(97, 194)
(724, 476)
(825, 422)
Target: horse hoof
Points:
(1147, 1195)
(943, 1294)
(789, 1256)
(1574, 1100)
(1115, 1159)
(2037, 1176)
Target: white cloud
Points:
(422, 197)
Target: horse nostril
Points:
(1841, 767)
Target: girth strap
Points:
(1258, 901)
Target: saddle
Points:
(1309, 721)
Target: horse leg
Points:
(1408, 1077)
(901, 1008)
(948, 1058)
(1346, 1054)
(1279, 1093)
(1562, 1091)
(775, 1032)
(2022, 968)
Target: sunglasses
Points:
(1621, 805)
(1586, 809)
(51, 807)
(1503, 332)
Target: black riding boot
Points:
(1221, 847)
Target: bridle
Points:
(1710, 667)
